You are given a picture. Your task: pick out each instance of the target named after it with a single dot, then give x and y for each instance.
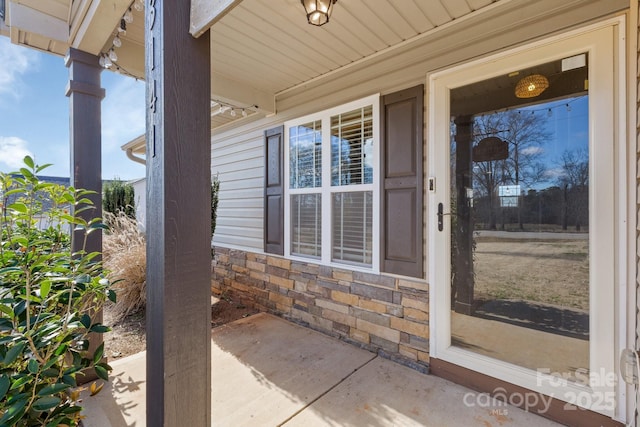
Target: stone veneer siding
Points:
(383, 314)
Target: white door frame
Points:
(607, 200)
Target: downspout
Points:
(134, 157)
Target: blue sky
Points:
(34, 114)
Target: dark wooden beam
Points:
(178, 218)
(85, 138)
(85, 134)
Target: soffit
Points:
(270, 44)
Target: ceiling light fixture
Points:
(318, 11)
(531, 86)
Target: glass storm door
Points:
(525, 286)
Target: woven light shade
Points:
(531, 86)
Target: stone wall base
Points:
(383, 314)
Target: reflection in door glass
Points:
(520, 223)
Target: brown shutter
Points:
(402, 182)
(274, 191)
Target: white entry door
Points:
(523, 217)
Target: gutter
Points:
(135, 158)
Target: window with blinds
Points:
(305, 155)
(352, 147)
(306, 225)
(332, 185)
(352, 227)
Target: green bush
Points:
(48, 297)
(119, 196)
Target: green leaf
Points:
(69, 379)
(7, 270)
(45, 288)
(5, 382)
(21, 381)
(13, 353)
(33, 366)
(45, 403)
(26, 172)
(6, 310)
(112, 296)
(99, 328)
(41, 168)
(14, 412)
(97, 356)
(6, 325)
(86, 321)
(19, 207)
(102, 372)
(53, 389)
(29, 161)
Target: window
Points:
(332, 173)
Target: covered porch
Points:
(269, 372)
(224, 81)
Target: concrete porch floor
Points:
(270, 372)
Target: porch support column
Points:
(85, 138)
(463, 279)
(178, 138)
(85, 134)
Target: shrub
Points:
(125, 257)
(47, 300)
(119, 196)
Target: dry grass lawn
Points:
(544, 271)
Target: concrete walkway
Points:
(269, 372)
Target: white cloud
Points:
(554, 174)
(532, 151)
(15, 60)
(12, 151)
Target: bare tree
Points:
(525, 133)
(574, 181)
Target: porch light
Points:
(531, 86)
(318, 11)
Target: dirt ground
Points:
(127, 336)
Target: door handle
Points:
(441, 215)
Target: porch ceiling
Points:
(259, 49)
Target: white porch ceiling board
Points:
(356, 28)
(435, 12)
(285, 32)
(364, 11)
(286, 40)
(238, 45)
(235, 64)
(387, 13)
(292, 17)
(479, 4)
(457, 8)
(413, 14)
(284, 57)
